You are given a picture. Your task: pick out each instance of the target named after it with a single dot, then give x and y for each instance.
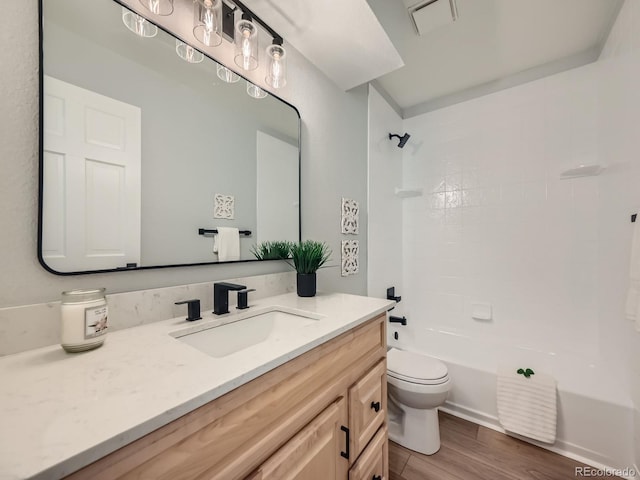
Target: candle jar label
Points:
(95, 321)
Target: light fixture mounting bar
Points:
(245, 9)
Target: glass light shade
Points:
(159, 7)
(246, 39)
(255, 91)
(188, 53)
(137, 24)
(207, 22)
(226, 75)
(276, 66)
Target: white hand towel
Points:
(632, 308)
(227, 244)
(527, 406)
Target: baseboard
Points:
(566, 449)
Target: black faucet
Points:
(221, 296)
(243, 298)
(193, 307)
(401, 320)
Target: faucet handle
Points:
(193, 309)
(243, 298)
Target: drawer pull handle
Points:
(346, 432)
(377, 477)
(375, 406)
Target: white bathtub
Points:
(595, 412)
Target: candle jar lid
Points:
(81, 295)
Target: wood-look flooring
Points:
(472, 452)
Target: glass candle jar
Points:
(84, 319)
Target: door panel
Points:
(314, 453)
(92, 164)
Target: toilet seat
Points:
(415, 368)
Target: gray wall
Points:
(334, 149)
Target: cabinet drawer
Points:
(374, 461)
(367, 406)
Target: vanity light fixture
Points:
(211, 20)
(226, 75)
(246, 40)
(207, 22)
(276, 64)
(255, 91)
(159, 7)
(137, 24)
(188, 53)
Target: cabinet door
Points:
(367, 406)
(373, 464)
(314, 453)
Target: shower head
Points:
(403, 139)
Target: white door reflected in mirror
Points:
(91, 160)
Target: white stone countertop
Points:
(61, 411)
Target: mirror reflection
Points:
(142, 149)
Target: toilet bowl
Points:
(417, 386)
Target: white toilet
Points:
(417, 385)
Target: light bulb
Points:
(188, 53)
(159, 7)
(137, 24)
(226, 75)
(255, 91)
(276, 66)
(207, 22)
(246, 40)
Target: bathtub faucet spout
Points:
(401, 320)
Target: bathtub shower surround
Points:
(497, 225)
(594, 417)
(33, 326)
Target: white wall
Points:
(619, 144)
(385, 208)
(497, 225)
(334, 139)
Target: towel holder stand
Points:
(204, 231)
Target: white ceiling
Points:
(492, 41)
(342, 38)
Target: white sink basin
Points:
(254, 328)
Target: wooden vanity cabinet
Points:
(320, 416)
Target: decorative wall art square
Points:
(350, 216)
(350, 252)
(223, 206)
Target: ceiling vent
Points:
(427, 15)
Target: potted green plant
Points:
(308, 256)
(272, 250)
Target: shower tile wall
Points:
(619, 109)
(497, 224)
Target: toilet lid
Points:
(416, 368)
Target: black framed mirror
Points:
(143, 154)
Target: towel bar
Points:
(204, 231)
